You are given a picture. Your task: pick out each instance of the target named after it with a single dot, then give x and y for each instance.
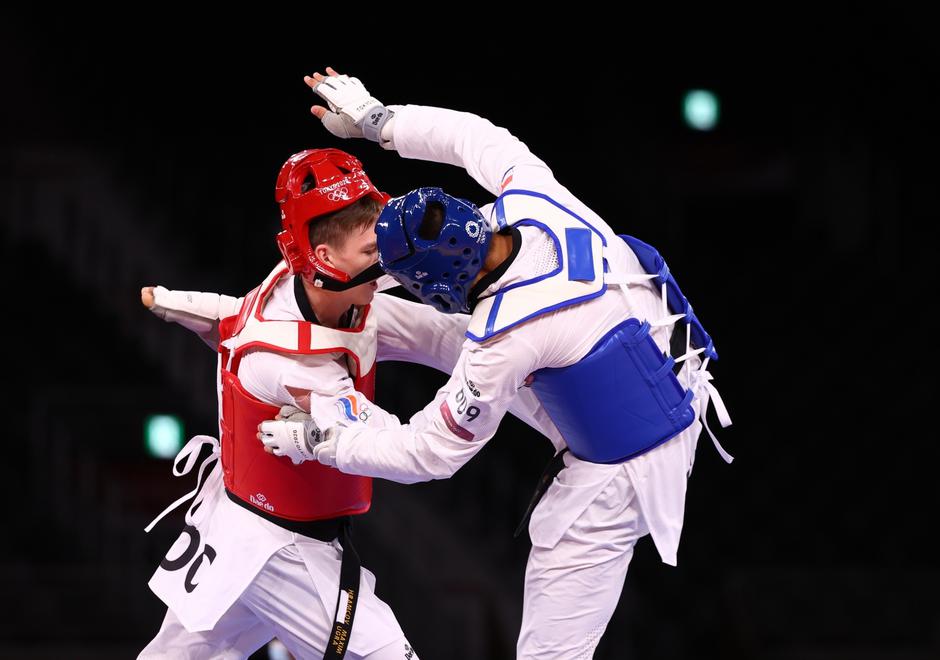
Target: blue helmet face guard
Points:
(436, 265)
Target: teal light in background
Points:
(701, 109)
(163, 435)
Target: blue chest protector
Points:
(623, 399)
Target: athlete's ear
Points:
(324, 253)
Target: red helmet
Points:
(311, 184)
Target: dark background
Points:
(803, 229)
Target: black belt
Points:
(349, 569)
(349, 584)
(548, 476)
(321, 530)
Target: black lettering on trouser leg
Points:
(208, 553)
(195, 540)
(187, 556)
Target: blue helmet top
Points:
(436, 266)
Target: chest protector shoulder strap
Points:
(577, 278)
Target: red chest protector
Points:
(272, 484)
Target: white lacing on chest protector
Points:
(697, 380)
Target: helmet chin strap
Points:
(328, 283)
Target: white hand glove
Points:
(325, 450)
(296, 435)
(293, 433)
(355, 112)
(292, 414)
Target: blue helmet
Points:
(436, 266)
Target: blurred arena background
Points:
(799, 225)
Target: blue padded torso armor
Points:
(623, 399)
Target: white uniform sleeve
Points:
(277, 379)
(412, 332)
(451, 429)
(200, 304)
(386, 282)
(466, 140)
(197, 311)
(494, 157)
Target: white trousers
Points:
(282, 601)
(572, 587)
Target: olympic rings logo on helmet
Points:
(337, 195)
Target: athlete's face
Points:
(353, 256)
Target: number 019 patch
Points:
(459, 413)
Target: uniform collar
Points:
(493, 276)
(306, 310)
